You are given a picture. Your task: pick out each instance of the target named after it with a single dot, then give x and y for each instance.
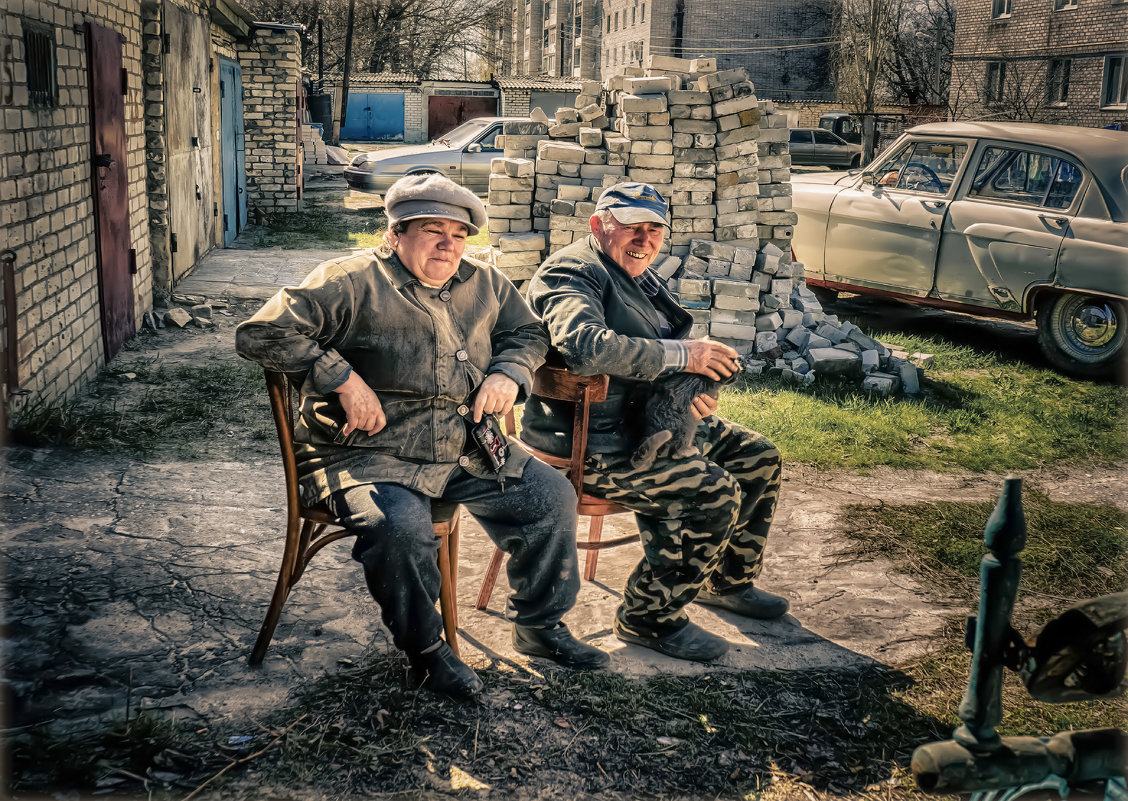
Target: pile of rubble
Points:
(720, 156)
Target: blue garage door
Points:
(374, 117)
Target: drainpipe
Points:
(679, 28)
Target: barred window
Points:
(39, 55)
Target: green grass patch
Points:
(1073, 550)
(977, 411)
(190, 410)
(320, 225)
(331, 225)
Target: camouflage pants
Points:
(703, 520)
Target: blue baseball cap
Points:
(632, 203)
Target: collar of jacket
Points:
(403, 276)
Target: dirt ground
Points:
(140, 583)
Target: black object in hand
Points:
(491, 441)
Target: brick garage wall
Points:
(514, 103)
(46, 210)
(1026, 40)
(271, 63)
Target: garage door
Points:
(446, 112)
(374, 116)
(548, 102)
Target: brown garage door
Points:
(446, 112)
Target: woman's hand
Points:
(496, 395)
(363, 411)
(704, 405)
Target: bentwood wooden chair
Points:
(556, 383)
(308, 530)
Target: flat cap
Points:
(433, 195)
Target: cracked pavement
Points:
(141, 583)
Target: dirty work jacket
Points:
(423, 351)
(601, 322)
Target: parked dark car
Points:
(814, 146)
(1012, 220)
(463, 155)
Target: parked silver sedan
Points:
(463, 155)
(1012, 220)
(814, 146)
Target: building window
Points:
(1000, 8)
(996, 78)
(608, 23)
(1062, 5)
(623, 53)
(644, 12)
(616, 20)
(39, 56)
(1057, 81)
(1115, 82)
(634, 12)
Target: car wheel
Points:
(1082, 334)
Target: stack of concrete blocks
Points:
(759, 303)
(313, 147)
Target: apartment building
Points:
(783, 44)
(1059, 61)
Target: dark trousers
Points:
(533, 519)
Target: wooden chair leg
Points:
(447, 602)
(594, 533)
(490, 578)
(287, 577)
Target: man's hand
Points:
(714, 360)
(362, 408)
(704, 405)
(496, 395)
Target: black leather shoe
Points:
(443, 672)
(748, 601)
(690, 642)
(559, 645)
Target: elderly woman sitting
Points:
(398, 352)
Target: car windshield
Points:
(463, 134)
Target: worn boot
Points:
(747, 601)
(689, 642)
(558, 644)
(441, 671)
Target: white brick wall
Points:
(46, 211)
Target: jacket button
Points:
(444, 296)
(464, 461)
(462, 355)
(463, 410)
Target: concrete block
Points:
(524, 128)
(529, 241)
(834, 361)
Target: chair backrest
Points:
(556, 383)
(282, 406)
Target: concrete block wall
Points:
(46, 208)
(271, 64)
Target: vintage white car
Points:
(1011, 220)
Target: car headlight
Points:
(360, 161)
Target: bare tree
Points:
(1003, 86)
(866, 32)
(920, 64)
(424, 38)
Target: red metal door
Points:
(447, 112)
(108, 171)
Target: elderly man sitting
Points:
(703, 519)
(397, 353)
